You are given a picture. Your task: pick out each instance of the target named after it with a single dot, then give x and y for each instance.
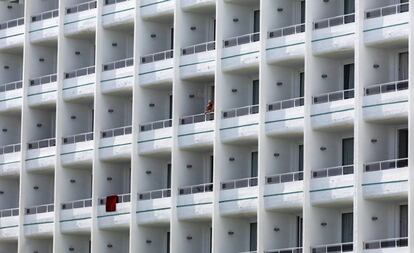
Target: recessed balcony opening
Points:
(79, 58)
(115, 240)
(78, 123)
(241, 24)
(385, 224)
(156, 112)
(116, 116)
(76, 242)
(44, 9)
(73, 7)
(158, 41)
(10, 135)
(78, 189)
(40, 194)
(376, 9)
(198, 103)
(42, 131)
(9, 197)
(286, 230)
(155, 239)
(195, 236)
(156, 178)
(333, 13)
(200, 31)
(240, 234)
(288, 20)
(11, 71)
(40, 245)
(334, 227)
(9, 246)
(43, 64)
(118, 49)
(11, 15)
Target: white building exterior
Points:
(108, 97)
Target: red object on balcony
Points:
(111, 203)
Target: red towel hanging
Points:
(111, 203)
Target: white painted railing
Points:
(285, 31)
(387, 243)
(156, 125)
(45, 15)
(81, 7)
(386, 87)
(43, 80)
(387, 10)
(334, 21)
(386, 164)
(193, 189)
(202, 117)
(285, 104)
(78, 138)
(117, 131)
(241, 111)
(12, 148)
(333, 171)
(285, 177)
(82, 203)
(333, 96)
(239, 183)
(45, 143)
(240, 40)
(155, 194)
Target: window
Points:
(168, 242)
(348, 151)
(169, 175)
(255, 164)
(349, 6)
(299, 229)
(256, 21)
(302, 12)
(404, 221)
(347, 227)
(301, 84)
(253, 236)
(211, 169)
(349, 76)
(403, 66)
(402, 143)
(255, 98)
(300, 158)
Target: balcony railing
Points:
(333, 96)
(285, 177)
(386, 87)
(285, 31)
(43, 80)
(285, 104)
(240, 40)
(160, 56)
(239, 183)
(193, 189)
(334, 21)
(387, 243)
(339, 247)
(9, 212)
(202, 47)
(81, 7)
(45, 143)
(117, 131)
(45, 15)
(156, 125)
(12, 23)
(77, 204)
(202, 117)
(155, 194)
(10, 149)
(288, 250)
(11, 86)
(333, 171)
(80, 72)
(108, 2)
(118, 64)
(78, 138)
(122, 198)
(387, 10)
(242, 111)
(386, 165)
(40, 209)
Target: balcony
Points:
(118, 76)
(156, 69)
(286, 44)
(387, 245)
(11, 97)
(42, 91)
(384, 179)
(386, 25)
(77, 150)
(332, 185)
(196, 131)
(338, 247)
(9, 220)
(239, 197)
(288, 250)
(154, 207)
(155, 137)
(241, 52)
(40, 156)
(284, 191)
(333, 109)
(193, 5)
(120, 219)
(39, 221)
(115, 144)
(10, 157)
(12, 33)
(240, 124)
(198, 60)
(75, 216)
(195, 202)
(334, 35)
(156, 9)
(44, 26)
(285, 117)
(118, 12)
(79, 84)
(81, 18)
(387, 101)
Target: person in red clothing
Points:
(209, 107)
